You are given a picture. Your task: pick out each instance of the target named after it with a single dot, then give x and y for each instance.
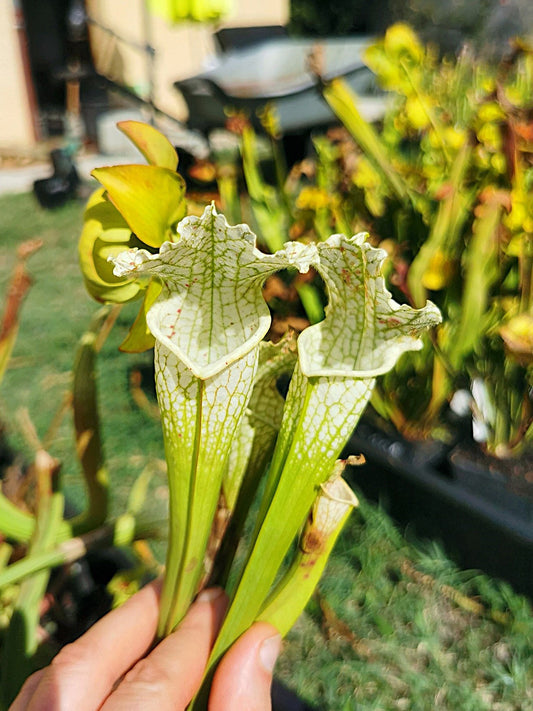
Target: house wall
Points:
(180, 50)
(16, 122)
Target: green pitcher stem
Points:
(330, 512)
(208, 322)
(197, 444)
(181, 494)
(316, 441)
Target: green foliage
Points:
(52, 322)
(397, 625)
(444, 186)
(459, 139)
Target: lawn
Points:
(394, 624)
(56, 314)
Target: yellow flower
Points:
(138, 207)
(490, 135)
(491, 111)
(454, 137)
(517, 334)
(401, 40)
(312, 198)
(417, 112)
(439, 272)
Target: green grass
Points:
(397, 626)
(392, 626)
(56, 313)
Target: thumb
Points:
(244, 675)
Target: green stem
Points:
(181, 592)
(274, 540)
(122, 532)
(290, 428)
(5, 554)
(199, 428)
(230, 542)
(329, 410)
(343, 103)
(20, 642)
(431, 117)
(87, 426)
(179, 495)
(15, 523)
(265, 415)
(526, 274)
(330, 512)
(229, 193)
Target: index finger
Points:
(83, 674)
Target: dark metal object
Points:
(276, 72)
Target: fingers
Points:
(171, 674)
(83, 673)
(244, 676)
(24, 696)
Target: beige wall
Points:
(180, 50)
(16, 127)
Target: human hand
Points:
(107, 669)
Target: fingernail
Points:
(210, 594)
(269, 652)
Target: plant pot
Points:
(502, 482)
(444, 495)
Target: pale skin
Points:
(114, 666)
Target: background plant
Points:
(444, 186)
(463, 152)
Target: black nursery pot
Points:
(444, 495)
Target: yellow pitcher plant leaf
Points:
(140, 338)
(154, 146)
(149, 198)
(103, 230)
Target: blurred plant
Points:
(177, 11)
(18, 288)
(139, 206)
(35, 535)
(452, 169)
(449, 176)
